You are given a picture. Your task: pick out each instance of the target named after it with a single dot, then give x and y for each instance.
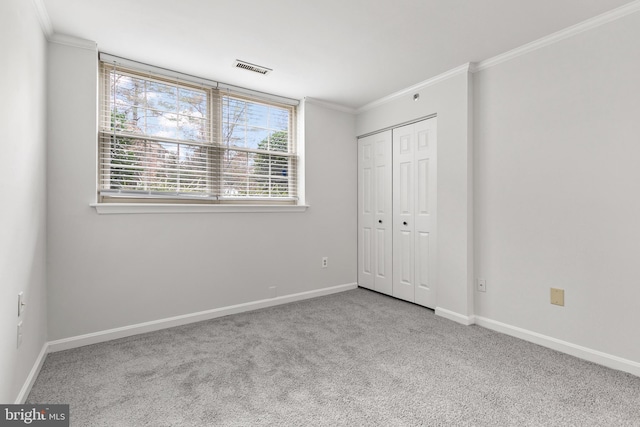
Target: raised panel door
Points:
(425, 213)
(403, 207)
(375, 213)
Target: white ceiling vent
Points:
(252, 67)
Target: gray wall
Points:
(108, 271)
(22, 174)
(557, 187)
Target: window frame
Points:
(121, 201)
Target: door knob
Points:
(379, 221)
(404, 223)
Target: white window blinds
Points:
(166, 139)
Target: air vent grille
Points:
(252, 67)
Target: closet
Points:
(397, 193)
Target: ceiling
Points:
(346, 52)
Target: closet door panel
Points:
(375, 212)
(384, 213)
(425, 213)
(403, 207)
(366, 184)
(414, 195)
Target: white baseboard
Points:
(31, 378)
(155, 325)
(585, 353)
(591, 355)
(456, 317)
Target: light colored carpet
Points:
(354, 358)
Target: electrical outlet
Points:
(482, 285)
(325, 262)
(557, 296)
(19, 341)
(273, 291)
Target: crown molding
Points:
(589, 24)
(429, 82)
(330, 105)
(73, 41)
(43, 18)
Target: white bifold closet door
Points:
(414, 212)
(375, 213)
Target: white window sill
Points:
(164, 208)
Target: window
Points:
(166, 140)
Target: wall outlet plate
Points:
(325, 262)
(557, 296)
(482, 285)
